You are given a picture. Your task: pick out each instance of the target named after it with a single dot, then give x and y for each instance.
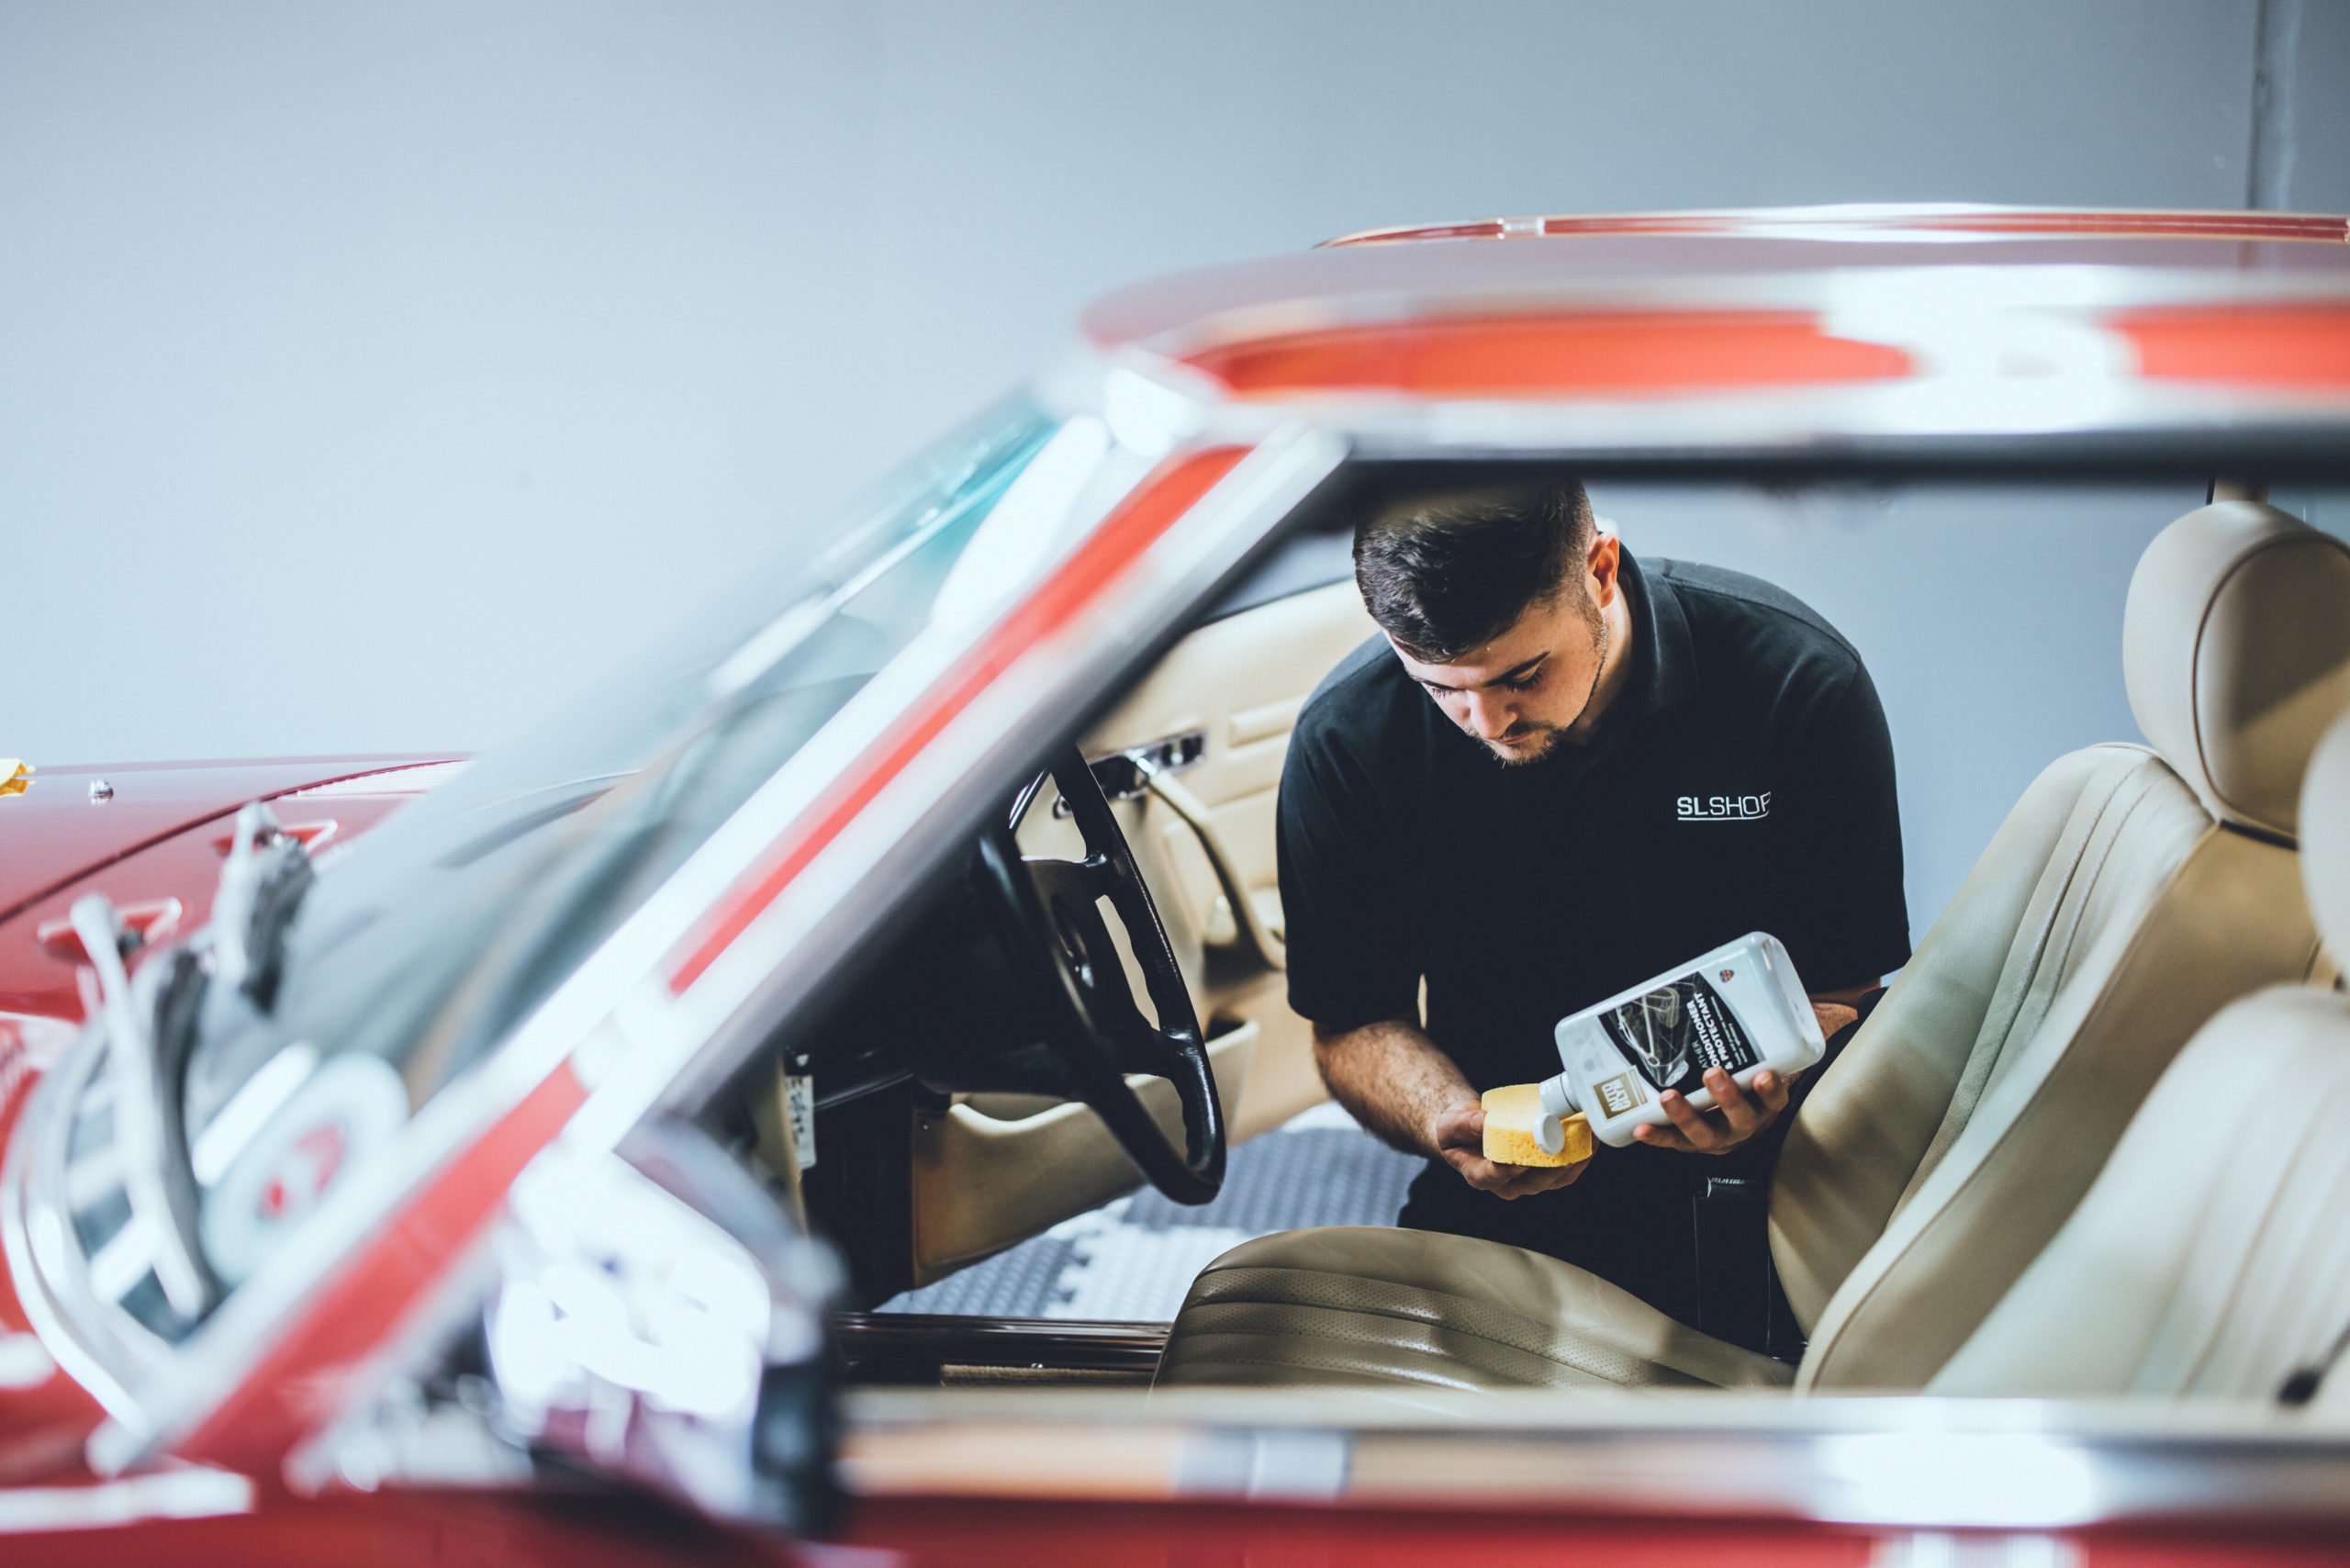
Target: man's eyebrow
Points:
(1514, 672)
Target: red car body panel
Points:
(590, 1530)
(456, 1529)
(2300, 347)
(1562, 354)
(1031, 1533)
(1551, 354)
(54, 834)
(154, 839)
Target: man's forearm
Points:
(1391, 1079)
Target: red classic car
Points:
(503, 1158)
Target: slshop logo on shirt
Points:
(1723, 808)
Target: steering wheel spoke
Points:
(1052, 919)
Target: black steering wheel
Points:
(1052, 924)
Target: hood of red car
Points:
(133, 831)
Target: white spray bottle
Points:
(1740, 1008)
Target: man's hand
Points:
(1458, 1133)
(1738, 1115)
(1392, 1079)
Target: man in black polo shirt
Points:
(1556, 774)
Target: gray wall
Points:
(1990, 618)
(370, 374)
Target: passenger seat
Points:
(2130, 894)
(2211, 1256)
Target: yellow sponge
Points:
(1513, 1118)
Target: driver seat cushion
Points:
(1373, 1306)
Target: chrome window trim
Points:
(1940, 1463)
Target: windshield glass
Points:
(416, 951)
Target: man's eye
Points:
(1524, 682)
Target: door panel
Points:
(991, 1170)
(1241, 682)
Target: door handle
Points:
(1121, 772)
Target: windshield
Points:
(415, 951)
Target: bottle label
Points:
(1671, 1035)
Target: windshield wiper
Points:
(261, 886)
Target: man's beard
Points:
(1536, 741)
(1531, 744)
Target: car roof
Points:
(1583, 251)
(2249, 306)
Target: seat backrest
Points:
(2211, 1256)
(2129, 896)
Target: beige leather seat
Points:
(2211, 1256)
(2130, 894)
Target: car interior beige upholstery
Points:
(993, 1169)
(2153, 895)
(2210, 1256)
(2129, 896)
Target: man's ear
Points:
(1601, 563)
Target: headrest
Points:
(2325, 837)
(2235, 647)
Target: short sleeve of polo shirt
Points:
(1850, 924)
(1343, 882)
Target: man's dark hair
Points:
(1445, 573)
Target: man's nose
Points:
(1490, 716)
